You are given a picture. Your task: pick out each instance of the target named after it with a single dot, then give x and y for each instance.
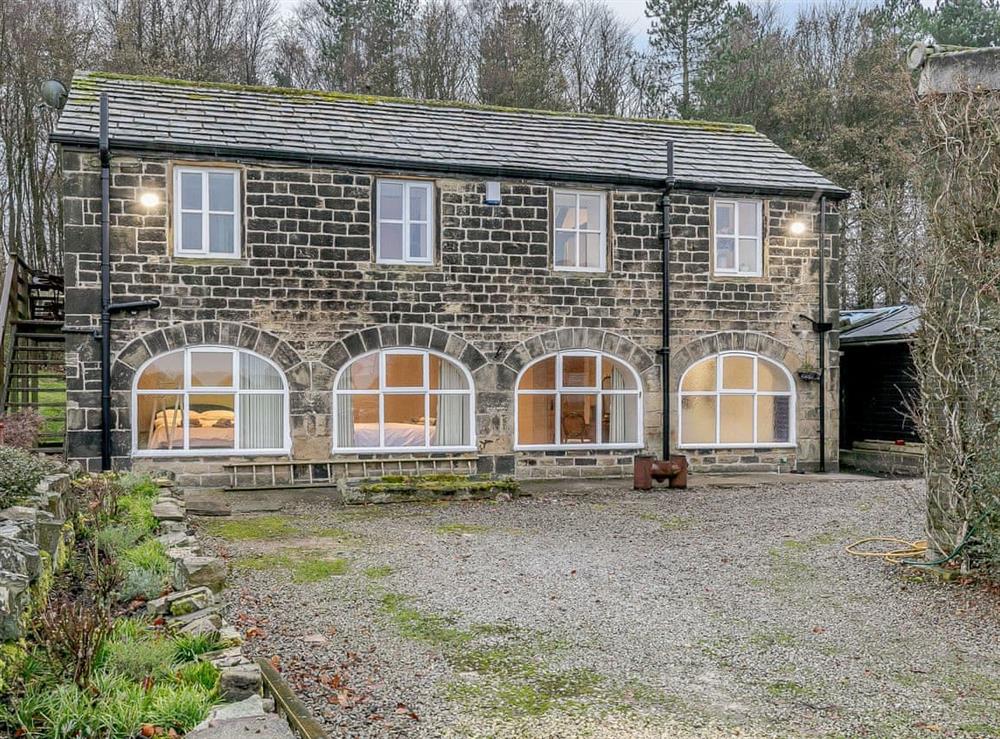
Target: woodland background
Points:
(829, 85)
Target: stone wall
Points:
(308, 294)
(35, 540)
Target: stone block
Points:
(246, 708)
(195, 599)
(14, 601)
(267, 726)
(20, 557)
(239, 682)
(209, 572)
(52, 534)
(204, 626)
(167, 510)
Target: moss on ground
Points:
(416, 485)
(305, 565)
(377, 572)
(511, 672)
(265, 528)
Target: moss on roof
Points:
(88, 81)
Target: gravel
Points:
(718, 611)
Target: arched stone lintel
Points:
(413, 336)
(594, 339)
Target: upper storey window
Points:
(405, 226)
(206, 212)
(737, 227)
(579, 229)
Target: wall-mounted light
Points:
(798, 228)
(149, 199)
(493, 192)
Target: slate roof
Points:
(876, 325)
(230, 120)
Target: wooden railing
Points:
(15, 305)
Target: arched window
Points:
(736, 399)
(403, 399)
(578, 399)
(210, 400)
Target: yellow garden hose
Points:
(904, 549)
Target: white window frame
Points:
(559, 390)
(576, 231)
(735, 271)
(405, 222)
(188, 390)
(178, 209)
(425, 389)
(719, 392)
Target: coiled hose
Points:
(906, 550)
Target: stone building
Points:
(413, 284)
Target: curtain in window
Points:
(452, 410)
(617, 410)
(260, 414)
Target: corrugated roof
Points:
(222, 119)
(894, 323)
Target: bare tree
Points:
(958, 347)
(439, 55)
(600, 54)
(39, 40)
(522, 51)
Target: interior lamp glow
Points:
(797, 228)
(149, 200)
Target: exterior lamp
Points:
(797, 228)
(149, 199)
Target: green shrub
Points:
(141, 583)
(137, 511)
(188, 648)
(115, 539)
(149, 555)
(20, 472)
(136, 659)
(204, 674)
(140, 486)
(180, 707)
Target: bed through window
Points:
(403, 399)
(210, 400)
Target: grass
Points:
(377, 572)
(270, 528)
(515, 670)
(788, 689)
(252, 529)
(461, 528)
(52, 390)
(305, 565)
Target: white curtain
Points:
(262, 415)
(618, 415)
(345, 421)
(452, 410)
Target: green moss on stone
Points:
(309, 96)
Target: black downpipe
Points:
(105, 287)
(823, 328)
(107, 307)
(665, 340)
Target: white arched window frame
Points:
(442, 384)
(255, 396)
(751, 390)
(625, 392)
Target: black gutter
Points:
(107, 307)
(664, 351)
(478, 170)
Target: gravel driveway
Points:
(718, 611)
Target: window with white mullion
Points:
(579, 230)
(738, 237)
(207, 211)
(404, 221)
